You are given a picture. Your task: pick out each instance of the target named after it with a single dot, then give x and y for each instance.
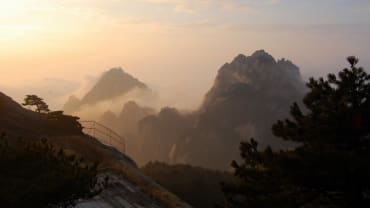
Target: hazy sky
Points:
(175, 44)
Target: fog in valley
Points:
(182, 103)
(174, 127)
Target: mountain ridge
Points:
(128, 186)
(249, 94)
(112, 84)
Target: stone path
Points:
(120, 193)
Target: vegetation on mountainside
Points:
(34, 101)
(34, 174)
(329, 168)
(198, 186)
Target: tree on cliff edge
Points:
(37, 102)
(330, 165)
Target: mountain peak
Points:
(130, 106)
(258, 57)
(240, 58)
(260, 53)
(117, 74)
(263, 56)
(113, 83)
(71, 105)
(131, 109)
(258, 72)
(115, 71)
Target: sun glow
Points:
(16, 19)
(13, 8)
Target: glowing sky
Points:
(177, 44)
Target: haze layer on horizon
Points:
(175, 44)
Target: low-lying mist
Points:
(176, 127)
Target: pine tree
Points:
(329, 167)
(33, 173)
(37, 102)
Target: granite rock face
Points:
(261, 74)
(248, 95)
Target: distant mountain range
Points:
(64, 132)
(248, 96)
(113, 84)
(126, 124)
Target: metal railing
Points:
(104, 134)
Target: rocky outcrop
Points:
(249, 94)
